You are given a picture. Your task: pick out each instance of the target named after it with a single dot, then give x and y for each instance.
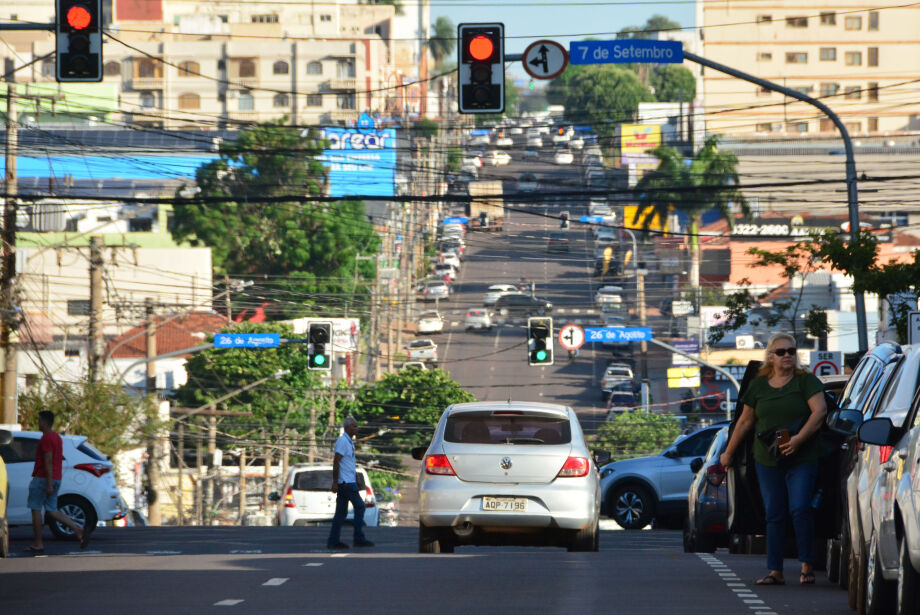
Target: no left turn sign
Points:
(571, 337)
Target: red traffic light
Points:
(78, 17)
(481, 48)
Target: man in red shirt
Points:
(46, 482)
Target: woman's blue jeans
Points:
(789, 489)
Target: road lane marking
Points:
(312, 564)
(77, 553)
(228, 602)
(245, 551)
(744, 593)
(339, 555)
(276, 581)
(164, 552)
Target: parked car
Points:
(422, 350)
(495, 291)
(436, 289)
(5, 438)
(446, 272)
(307, 500)
(88, 493)
(557, 242)
(477, 318)
(451, 258)
(635, 491)
(495, 472)
(522, 305)
(430, 322)
(706, 527)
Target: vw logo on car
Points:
(505, 463)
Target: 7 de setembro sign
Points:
(626, 51)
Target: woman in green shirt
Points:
(783, 398)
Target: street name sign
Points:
(457, 220)
(571, 337)
(545, 59)
(591, 219)
(626, 51)
(247, 340)
(618, 334)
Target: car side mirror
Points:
(6, 436)
(601, 458)
(418, 452)
(671, 453)
(696, 464)
(845, 422)
(274, 496)
(879, 431)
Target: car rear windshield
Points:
(503, 429)
(88, 449)
(318, 480)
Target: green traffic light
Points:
(541, 355)
(319, 359)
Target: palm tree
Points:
(710, 181)
(443, 39)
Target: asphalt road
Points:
(284, 569)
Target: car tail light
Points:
(715, 474)
(369, 500)
(96, 469)
(884, 452)
(507, 413)
(439, 464)
(289, 498)
(574, 467)
(716, 527)
(469, 313)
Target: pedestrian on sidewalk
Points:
(345, 488)
(46, 482)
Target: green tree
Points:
(311, 246)
(654, 25)
(454, 158)
(710, 181)
(425, 127)
(443, 39)
(604, 96)
(634, 434)
(673, 83)
(113, 419)
(512, 98)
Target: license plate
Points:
(504, 504)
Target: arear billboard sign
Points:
(360, 161)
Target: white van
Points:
(306, 497)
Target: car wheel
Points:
(704, 543)
(908, 592)
(879, 592)
(430, 541)
(79, 510)
(833, 560)
(631, 506)
(585, 540)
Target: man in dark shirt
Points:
(46, 482)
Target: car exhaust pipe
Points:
(464, 530)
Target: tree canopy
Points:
(653, 25)
(443, 39)
(603, 95)
(637, 433)
(673, 83)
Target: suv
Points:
(88, 492)
(634, 491)
(522, 305)
(307, 498)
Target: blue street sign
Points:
(626, 51)
(591, 219)
(457, 220)
(618, 334)
(247, 340)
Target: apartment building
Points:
(861, 61)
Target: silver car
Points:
(507, 473)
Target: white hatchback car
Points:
(477, 318)
(430, 322)
(507, 473)
(88, 492)
(495, 291)
(307, 498)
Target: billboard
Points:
(636, 141)
(645, 219)
(359, 161)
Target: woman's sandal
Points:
(771, 580)
(807, 578)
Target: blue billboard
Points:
(360, 161)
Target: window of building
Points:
(189, 69)
(48, 68)
(852, 93)
(78, 307)
(264, 19)
(140, 225)
(764, 92)
(896, 218)
(827, 125)
(280, 100)
(872, 124)
(345, 68)
(872, 91)
(223, 18)
(803, 89)
(853, 58)
(246, 68)
(872, 56)
(111, 69)
(829, 18)
(796, 22)
(246, 102)
(280, 68)
(766, 127)
(873, 20)
(853, 127)
(325, 18)
(796, 57)
(148, 99)
(797, 126)
(763, 19)
(764, 56)
(345, 100)
(829, 89)
(315, 68)
(853, 22)
(146, 68)
(314, 100)
(828, 54)
(189, 101)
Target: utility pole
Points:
(227, 303)
(242, 509)
(643, 346)
(180, 453)
(96, 333)
(8, 316)
(153, 453)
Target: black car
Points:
(522, 305)
(557, 242)
(613, 267)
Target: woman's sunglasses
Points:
(781, 352)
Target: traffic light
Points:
(540, 341)
(78, 29)
(481, 65)
(319, 346)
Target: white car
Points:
(615, 374)
(450, 258)
(508, 468)
(535, 141)
(577, 143)
(543, 129)
(88, 492)
(422, 350)
(563, 157)
(443, 270)
(563, 137)
(480, 140)
(504, 142)
(307, 500)
(608, 294)
(515, 130)
(436, 289)
(599, 208)
(475, 161)
(498, 158)
(499, 290)
(430, 322)
(478, 318)
(604, 234)
(531, 153)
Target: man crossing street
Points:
(345, 488)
